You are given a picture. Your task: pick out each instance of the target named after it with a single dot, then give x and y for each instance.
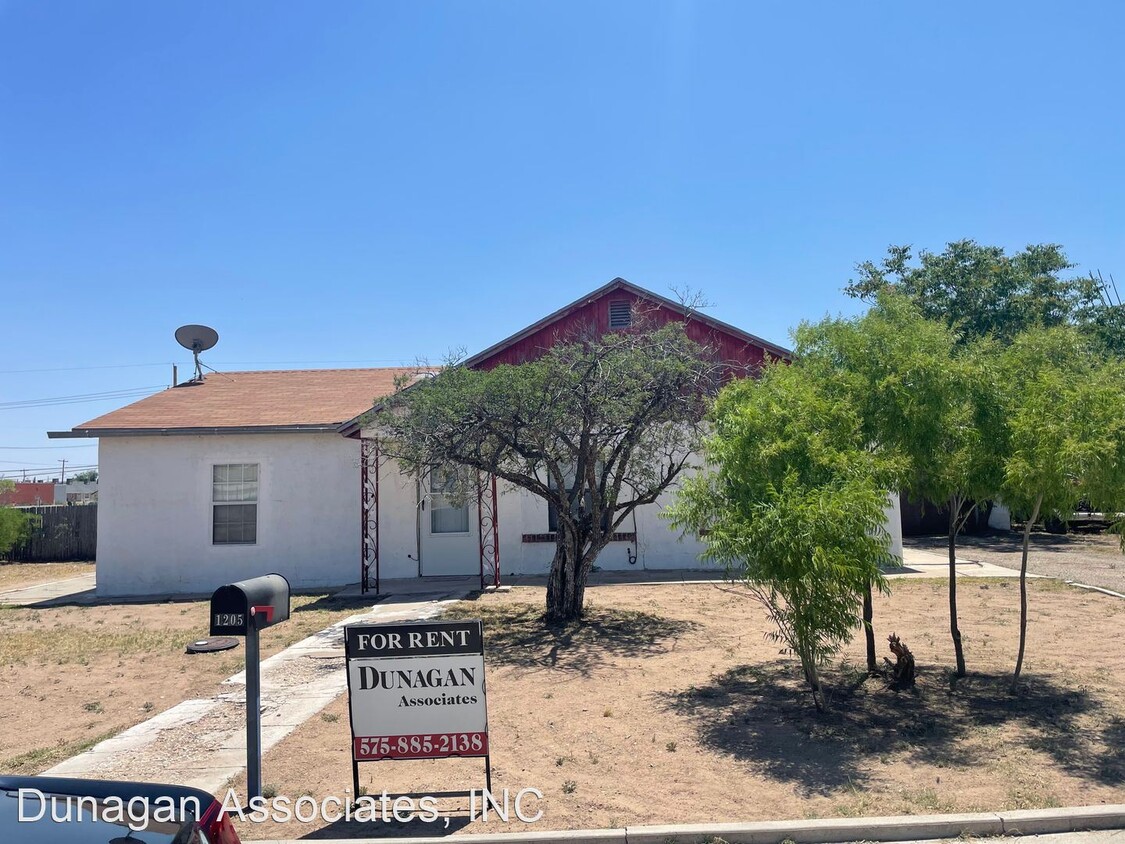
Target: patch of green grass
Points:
(928, 799)
(34, 761)
(1031, 797)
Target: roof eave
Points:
(78, 433)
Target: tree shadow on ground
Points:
(762, 714)
(1002, 541)
(520, 636)
(334, 603)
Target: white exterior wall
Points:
(154, 518)
(658, 546)
(893, 512)
(154, 512)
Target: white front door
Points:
(450, 533)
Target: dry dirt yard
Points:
(669, 705)
(1091, 558)
(71, 676)
(18, 575)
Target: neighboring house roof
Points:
(309, 400)
(28, 493)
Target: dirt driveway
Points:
(19, 575)
(1093, 559)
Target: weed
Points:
(569, 787)
(44, 757)
(670, 747)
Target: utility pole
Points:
(63, 461)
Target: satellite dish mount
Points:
(197, 338)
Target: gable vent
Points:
(620, 314)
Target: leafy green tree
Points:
(1066, 412)
(15, 525)
(88, 477)
(596, 427)
(922, 398)
(981, 291)
(791, 502)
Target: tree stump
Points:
(902, 669)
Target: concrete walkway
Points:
(202, 742)
(919, 563)
(77, 590)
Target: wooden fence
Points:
(66, 532)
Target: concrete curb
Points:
(824, 831)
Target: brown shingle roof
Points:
(295, 398)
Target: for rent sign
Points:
(416, 690)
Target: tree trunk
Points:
(955, 505)
(566, 584)
(812, 677)
(869, 631)
(1023, 592)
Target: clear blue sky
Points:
(359, 183)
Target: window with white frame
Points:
(234, 504)
(446, 484)
(586, 502)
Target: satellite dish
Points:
(197, 338)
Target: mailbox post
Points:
(243, 609)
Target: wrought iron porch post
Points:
(369, 512)
(488, 517)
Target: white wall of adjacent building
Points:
(155, 512)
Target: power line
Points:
(42, 447)
(43, 471)
(79, 398)
(401, 361)
(82, 368)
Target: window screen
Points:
(234, 504)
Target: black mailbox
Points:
(258, 602)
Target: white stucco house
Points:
(243, 473)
